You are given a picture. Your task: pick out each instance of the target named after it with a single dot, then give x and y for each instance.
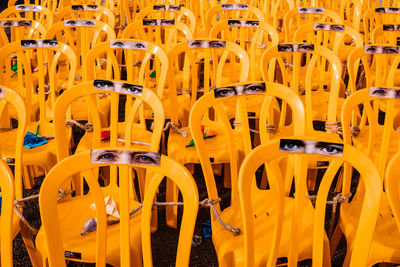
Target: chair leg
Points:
(335, 238)
(171, 212)
(30, 246)
(227, 175)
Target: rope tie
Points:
(288, 64)
(137, 63)
(333, 127)
(338, 198)
(204, 203)
(18, 204)
(270, 127)
(172, 125)
(355, 130)
(185, 91)
(87, 127)
(347, 92)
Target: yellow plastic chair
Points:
(21, 30)
(341, 39)
(209, 151)
(49, 4)
(129, 10)
(96, 12)
(387, 251)
(372, 66)
(165, 36)
(183, 15)
(378, 141)
(82, 38)
(11, 185)
(131, 132)
(234, 11)
(276, 227)
(317, 80)
(349, 11)
(141, 59)
(121, 244)
(33, 12)
(39, 98)
(385, 14)
(252, 35)
(385, 34)
(300, 15)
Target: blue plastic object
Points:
(31, 140)
(206, 229)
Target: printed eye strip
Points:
(79, 23)
(166, 7)
(295, 47)
(120, 87)
(85, 7)
(243, 89)
(328, 27)
(311, 147)
(16, 23)
(234, 7)
(39, 43)
(370, 49)
(128, 45)
(206, 44)
(158, 22)
(2, 92)
(391, 27)
(28, 8)
(125, 157)
(243, 23)
(385, 92)
(310, 10)
(387, 10)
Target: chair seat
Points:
(386, 239)
(75, 213)
(232, 247)
(361, 142)
(320, 103)
(86, 141)
(217, 147)
(44, 155)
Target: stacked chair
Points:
(107, 106)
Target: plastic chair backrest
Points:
(218, 13)
(341, 39)
(209, 100)
(33, 12)
(387, 34)
(80, 163)
(183, 15)
(9, 98)
(91, 90)
(253, 39)
(49, 4)
(129, 10)
(48, 66)
(323, 65)
(298, 16)
(266, 154)
(141, 60)
(349, 11)
(376, 66)
(99, 13)
(165, 36)
(215, 62)
(377, 134)
(81, 38)
(36, 30)
(378, 16)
